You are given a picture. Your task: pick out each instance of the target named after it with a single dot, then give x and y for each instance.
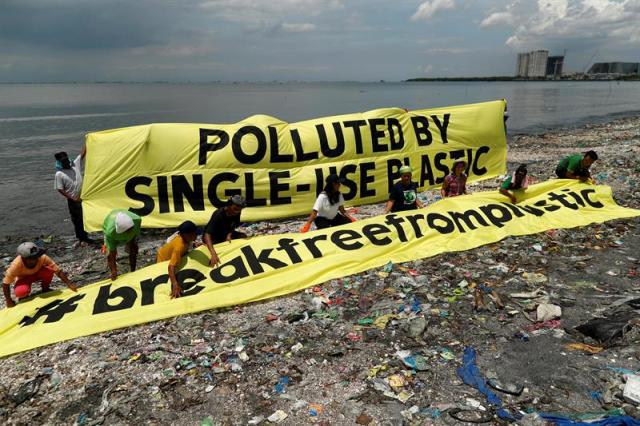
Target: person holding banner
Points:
(222, 226)
(328, 210)
(121, 227)
(404, 194)
(576, 166)
(455, 183)
(517, 181)
(68, 181)
(30, 266)
(176, 247)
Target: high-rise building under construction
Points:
(538, 64)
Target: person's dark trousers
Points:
(323, 222)
(561, 172)
(75, 210)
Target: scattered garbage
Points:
(380, 347)
(612, 327)
(547, 312)
(470, 375)
(277, 417)
(632, 389)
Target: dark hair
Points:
(187, 227)
(60, 155)
(453, 169)
(334, 196)
(517, 183)
(591, 154)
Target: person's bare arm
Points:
(67, 195)
(6, 289)
(312, 217)
(65, 279)
(443, 189)
(342, 210)
(570, 175)
(215, 260)
(508, 194)
(388, 206)
(419, 203)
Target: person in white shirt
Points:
(68, 182)
(328, 209)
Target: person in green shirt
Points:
(517, 181)
(576, 166)
(120, 228)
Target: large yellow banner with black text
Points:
(169, 173)
(273, 265)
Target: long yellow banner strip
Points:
(268, 266)
(169, 173)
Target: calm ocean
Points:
(37, 120)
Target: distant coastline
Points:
(634, 77)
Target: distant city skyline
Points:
(308, 40)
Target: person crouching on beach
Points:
(404, 193)
(455, 183)
(576, 166)
(222, 226)
(176, 247)
(517, 181)
(30, 266)
(120, 228)
(328, 209)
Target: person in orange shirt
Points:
(177, 246)
(30, 266)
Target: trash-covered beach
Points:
(382, 347)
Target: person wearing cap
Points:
(120, 228)
(576, 166)
(455, 183)
(68, 182)
(328, 209)
(517, 181)
(222, 226)
(404, 193)
(30, 266)
(176, 247)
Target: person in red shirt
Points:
(30, 266)
(456, 183)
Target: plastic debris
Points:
(584, 347)
(277, 416)
(632, 390)
(547, 311)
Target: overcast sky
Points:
(325, 40)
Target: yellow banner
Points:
(168, 173)
(274, 265)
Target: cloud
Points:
(425, 69)
(430, 7)
(576, 23)
(65, 24)
(497, 18)
(297, 28)
(266, 12)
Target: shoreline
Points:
(162, 372)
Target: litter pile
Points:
(538, 327)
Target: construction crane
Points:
(590, 61)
